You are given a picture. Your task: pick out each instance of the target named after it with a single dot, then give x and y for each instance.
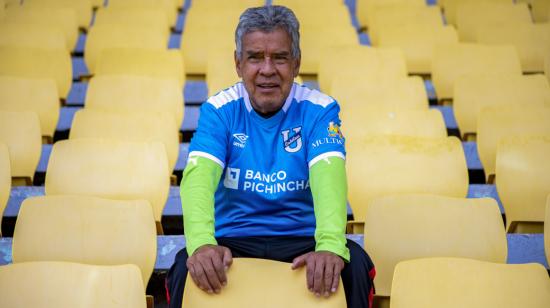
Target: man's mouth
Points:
(267, 85)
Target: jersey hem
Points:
(207, 155)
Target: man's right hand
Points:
(208, 265)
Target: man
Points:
(266, 175)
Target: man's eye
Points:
(281, 59)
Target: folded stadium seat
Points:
(82, 8)
(450, 7)
(110, 169)
(451, 61)
(107, 36)
(154, 18)
(32, 36)
(378, 166)
(124, 93)
(405, 227)
(37, 95)
(262, 283)
(547, 230)
(360, 63)
(523, 181)
(532, 42)
(473, 16)
(89, 230)
(405, 93)
(540, 10)
(89, 285)
(497, 122)
(20, 131)
(129, 126)
(473, 92)
(38, 63)
(64, 19)
(457, 282)
(366, 8)
(170, 7)
(161, 64)
(5, 180)
(417, 43)
(428, 16)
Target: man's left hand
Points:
(322, 271)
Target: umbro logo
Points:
(240, 140)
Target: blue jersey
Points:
(264, 189)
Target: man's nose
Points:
(267, 67)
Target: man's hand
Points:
(322, 271)
(208, 265)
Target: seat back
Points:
(405, 227)
(82, 8)
(170, 7)
(5, 179)
(450, 7)
(87, 230)
(89, 285)
(455, 282)
(547, 67)
(523, 179)
(366, 8)
(149, 17)
(109, 169)
(32, 36)
(37, 95)
(220, 70)
(540, 10)
(260, 283)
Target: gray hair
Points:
(267, 19)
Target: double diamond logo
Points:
(240, 140)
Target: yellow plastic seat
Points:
(474, 92)
(547, 230)
(5, 180)
(532, 42)
(417, 43)
(20, 131)
(87, 230)
(547, 67)
(106, 36)
(454, 282)
(123, 93)
(498, 122)
(220, 72)
(405, 227)
(451, 61)
(38, 63)
(32, 36)
(64, 19)
(154, 18)
(129, 126)
(315, 13)
(162, 64)
(523, 181)
(450, 7)
(110, 169)
(82, 8)
(361, 63)
(405, 93)
(169, 7)
(89, 285)
(38, 95)
(540, 10)
(261, 283)
(378, 166)
(366, 8)
(2, 9)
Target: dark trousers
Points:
(357, 275)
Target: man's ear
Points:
(237, 64)
(297, 67)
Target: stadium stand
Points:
(262, 287)
(82, 8)
(523, 181)
(456, 282)
(32, 36)
(20, 131)
(5, 179)
(406, 227)
(90, 285)
(366, 8)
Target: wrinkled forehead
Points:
(275, 40)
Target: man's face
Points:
(267, 68)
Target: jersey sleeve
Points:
(326, 139)
(210, 139)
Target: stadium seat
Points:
(474, 92)
(220, 70)
(417, 43)
(360, 63)
(406, 93)
(38, 63)
(540, 10)
(497, 122)
(2, 9)
(65, 284)
(261, 283)
(32, 36)
(378, 166)
(122, 93)
(38, 95)
(405, 227)
(87, 230)
(129, 126)
(20, 131)
(315, 13)
(547, 230)
(366, 8)
(109, 169)
(532, 42)
(153, 18)
(451, 61)
(106, 36)
(82, 8)
(207, 5)
(162, 64)
(523, 181)
(456, 282)
(450, 7)
(5, 180)
(547, 67)
(170, 7)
